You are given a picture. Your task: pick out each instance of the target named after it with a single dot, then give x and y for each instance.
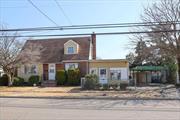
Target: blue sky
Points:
(21, 14)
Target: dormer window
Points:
(70, 50)
(71, 47)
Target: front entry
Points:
(52, 71)
(103, 76)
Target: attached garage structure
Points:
(110, 71)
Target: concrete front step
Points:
(48, 83)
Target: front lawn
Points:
(140, 92)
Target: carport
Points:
(144, 75)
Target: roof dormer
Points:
(71, 47)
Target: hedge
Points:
(34, 79)
(73, 77)
(18, 81)
(61, 78)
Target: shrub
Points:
(18, 81)
(98, 86)
(73, 77)
(61, 77)
(91, 82)
(34, 79)
(4, 80)
(105, 86)
(114, 86)
(123, 86)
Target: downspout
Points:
(88, 67)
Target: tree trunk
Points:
(178, 63)
(10, 80)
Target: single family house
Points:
(44, 57)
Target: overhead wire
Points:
(105, 33)
(94, 26)
(44, 14)
(61, 9)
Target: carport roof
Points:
(148, 68)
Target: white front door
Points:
(103, 76)
(52, 71)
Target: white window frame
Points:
(124, 72)
(67, 65)
(116, 72)
(28, 69)
(95, 71)
(69, 51)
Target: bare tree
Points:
(31, 53)
(131, 58)
(9, 50)
(167, 14)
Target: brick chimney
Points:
(93, 37)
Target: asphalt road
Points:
(74, 109)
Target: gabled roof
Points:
(70, 41)
(52, 50)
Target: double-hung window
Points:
(115, 74)
(71, 66)
(70, 50)
(30, 69)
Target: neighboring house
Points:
(44, 57)
(144, 75)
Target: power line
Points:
(134, 23)
(60, 7)
(85, 34)
(42, 12)
(94, 26)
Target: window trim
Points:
(68, 50)
(68, 64)
(95, 69)
(28, 69)
(117, 71)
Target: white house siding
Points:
(121, 65)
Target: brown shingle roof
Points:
(52, 50)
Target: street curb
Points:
(86, 97)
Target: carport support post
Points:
(134, 80)
(146, 78)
